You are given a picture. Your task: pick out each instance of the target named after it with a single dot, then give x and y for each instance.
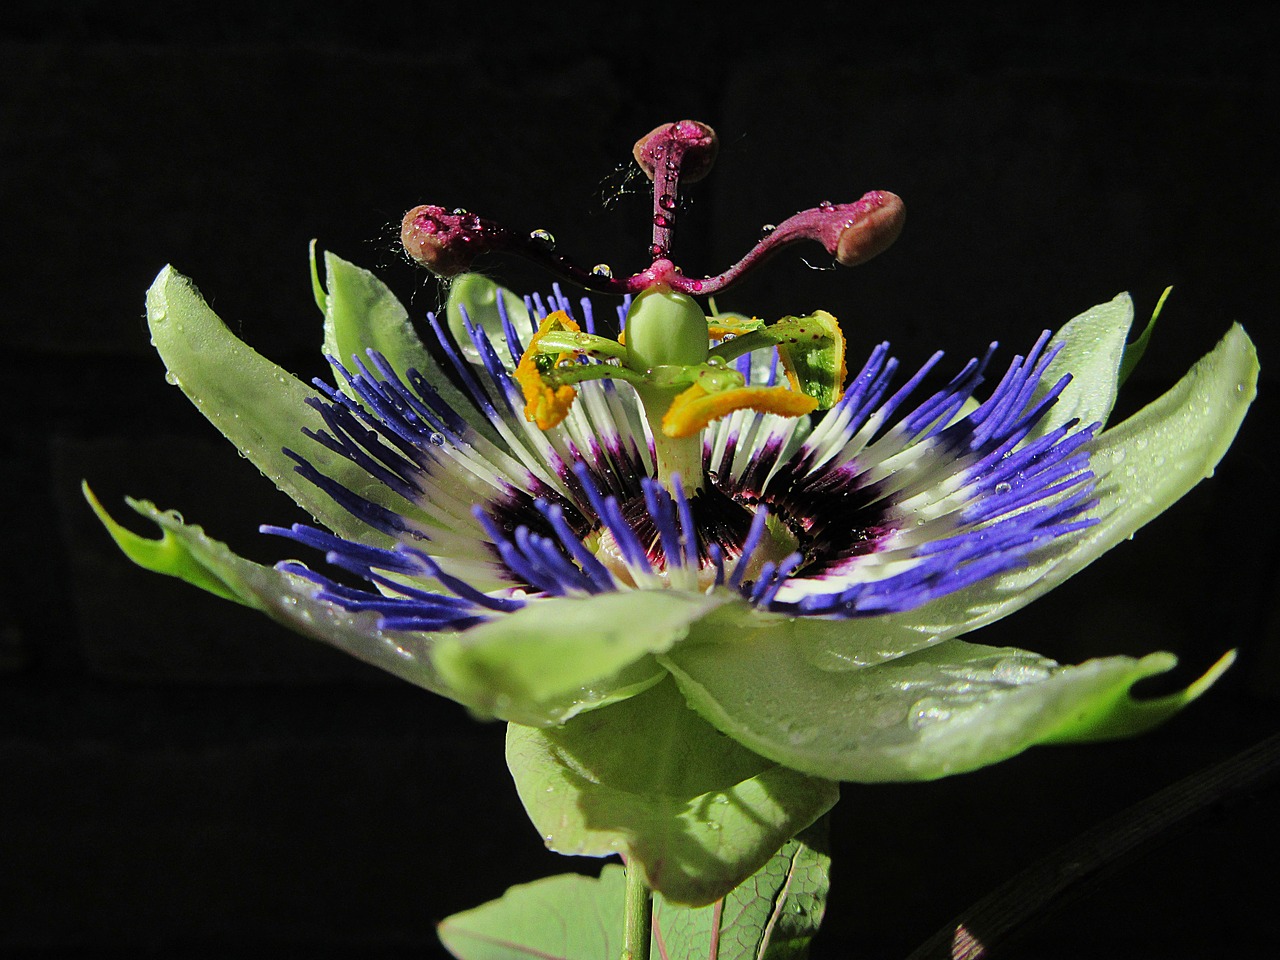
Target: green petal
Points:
(1092, 348)
(649, 779)
(947, 709)
(1143, 466)
(361, 314)
(186, 552)
(257, 405)
(477, 295)
(558, 657)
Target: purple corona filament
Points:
(448, 242)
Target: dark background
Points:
(180, 778)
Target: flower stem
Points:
(637, 919)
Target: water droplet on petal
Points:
(543, 238)
(1003, 487)
(157, 315)
(1017, 671)
(767, 229)
(171, 378)
(460, 211)
(928, 711)
(667, 202)
(602, 270)
(661, 220)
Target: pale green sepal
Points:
(1092, 348)
(1143, 466)
(947, 709)
(1134, 351)
(649, 779)
(559, 656)
(477, 296)
(772, 916)
(257, 405)
(186, 552)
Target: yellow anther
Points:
(546, 403)
(693, 409)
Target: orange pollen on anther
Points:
(546, 404)
(694, 408)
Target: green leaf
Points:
(556, 657)
(649, 779)
(186, 552)
(772, 916)
(566, 917)
(258, 406)
(947, 709)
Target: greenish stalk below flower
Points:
(637, 924)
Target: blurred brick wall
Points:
(181, 778)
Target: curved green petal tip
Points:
(186, 552)
(169, 555)
(1127, 715)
